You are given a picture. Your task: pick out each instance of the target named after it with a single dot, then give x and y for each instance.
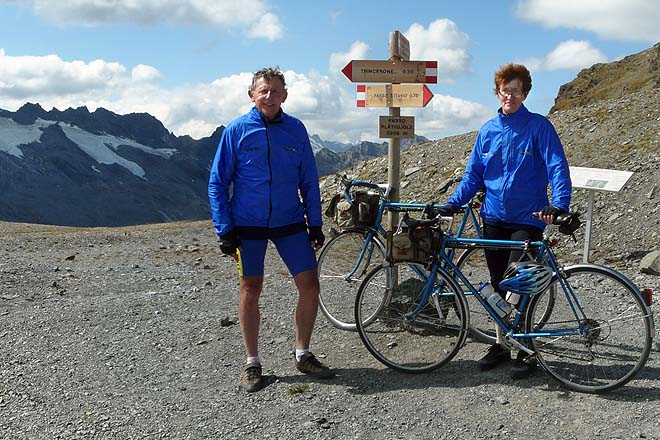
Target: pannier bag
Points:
(362, 213)
(401, 247)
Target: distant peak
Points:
(78, 110)
(634, 73)
(29, 106)
(28, 113)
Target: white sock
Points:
(300, 352)
(253, 360)
(499, 338)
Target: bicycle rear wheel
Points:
(341, 271)
(397, 337)
(617, 330)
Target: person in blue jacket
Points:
(264, 186)
(515, 156)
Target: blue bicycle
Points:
(591, 329)
(351, 253)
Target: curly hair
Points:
(509, 72)
(268, 73)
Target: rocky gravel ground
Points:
(131, 333)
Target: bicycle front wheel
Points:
(399, 329)
(341, 270)
(616, 330)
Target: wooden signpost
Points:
(395, 71)
(401, 49)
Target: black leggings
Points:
(499, 260)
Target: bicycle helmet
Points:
(526, 278)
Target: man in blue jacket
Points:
(264, 186)
(515, 156)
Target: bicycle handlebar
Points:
(383, 190)
(413, 223)
(348, 183)
(568, 222)
(562, 219)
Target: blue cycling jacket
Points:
(515, 157)
(258, 172)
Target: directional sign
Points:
(393, 95)
(392, 71)
(396, 126)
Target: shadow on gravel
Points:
(632, 392)
(464, 374)
(456, 374)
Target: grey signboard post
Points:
(596, 179)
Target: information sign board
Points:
(396, 126)
(596, 179)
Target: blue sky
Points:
(189, 62)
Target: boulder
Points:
(650, 264)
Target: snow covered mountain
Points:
(79, 168)
(318, 144)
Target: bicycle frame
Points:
(379, 232)
(441, 262)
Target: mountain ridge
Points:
(82, 168)
(66, 167)
(79, 168)
(639, 72)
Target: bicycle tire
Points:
(618, 336)
(340, 274)
(410, 344)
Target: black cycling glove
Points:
(552, 210)
(444, 211)
(316, 235)
(229, 242)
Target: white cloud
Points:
(573, 54)
(50, 76)
(196, 110)
(326, 105)
(570, 54)
(442, 42)
(629, 20)
(145, 73)
(268, 26)
(449, 115)
(338, 60)
(253, 16)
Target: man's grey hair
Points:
(268, 73)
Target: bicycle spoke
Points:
(341, 271)
(614, 337)
(402, 332)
